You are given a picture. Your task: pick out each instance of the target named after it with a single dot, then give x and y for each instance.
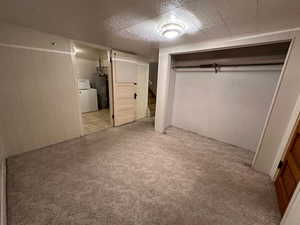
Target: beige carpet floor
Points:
(132, 175)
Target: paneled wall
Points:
(38, 98)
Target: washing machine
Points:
(88, 96)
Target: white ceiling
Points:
(131, 25)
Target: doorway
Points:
(153, 70)
(92, 72)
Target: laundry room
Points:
(91, 69)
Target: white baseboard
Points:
(3, 193)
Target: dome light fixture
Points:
(172, 30)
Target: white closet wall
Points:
(229, 106)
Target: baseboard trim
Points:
(3, 193)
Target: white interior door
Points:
(124, 87)
(142, 90)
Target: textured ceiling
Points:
(131, 25)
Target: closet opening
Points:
(227, 94)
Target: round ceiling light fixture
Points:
(172, 30)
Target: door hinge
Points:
(135, 95)
(113, 116)
(280, 165)
(110, 59)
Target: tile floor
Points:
(95, 121)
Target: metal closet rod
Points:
(227, 65)
(217, 67)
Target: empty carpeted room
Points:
(138, 112)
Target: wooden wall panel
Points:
(38, 99)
